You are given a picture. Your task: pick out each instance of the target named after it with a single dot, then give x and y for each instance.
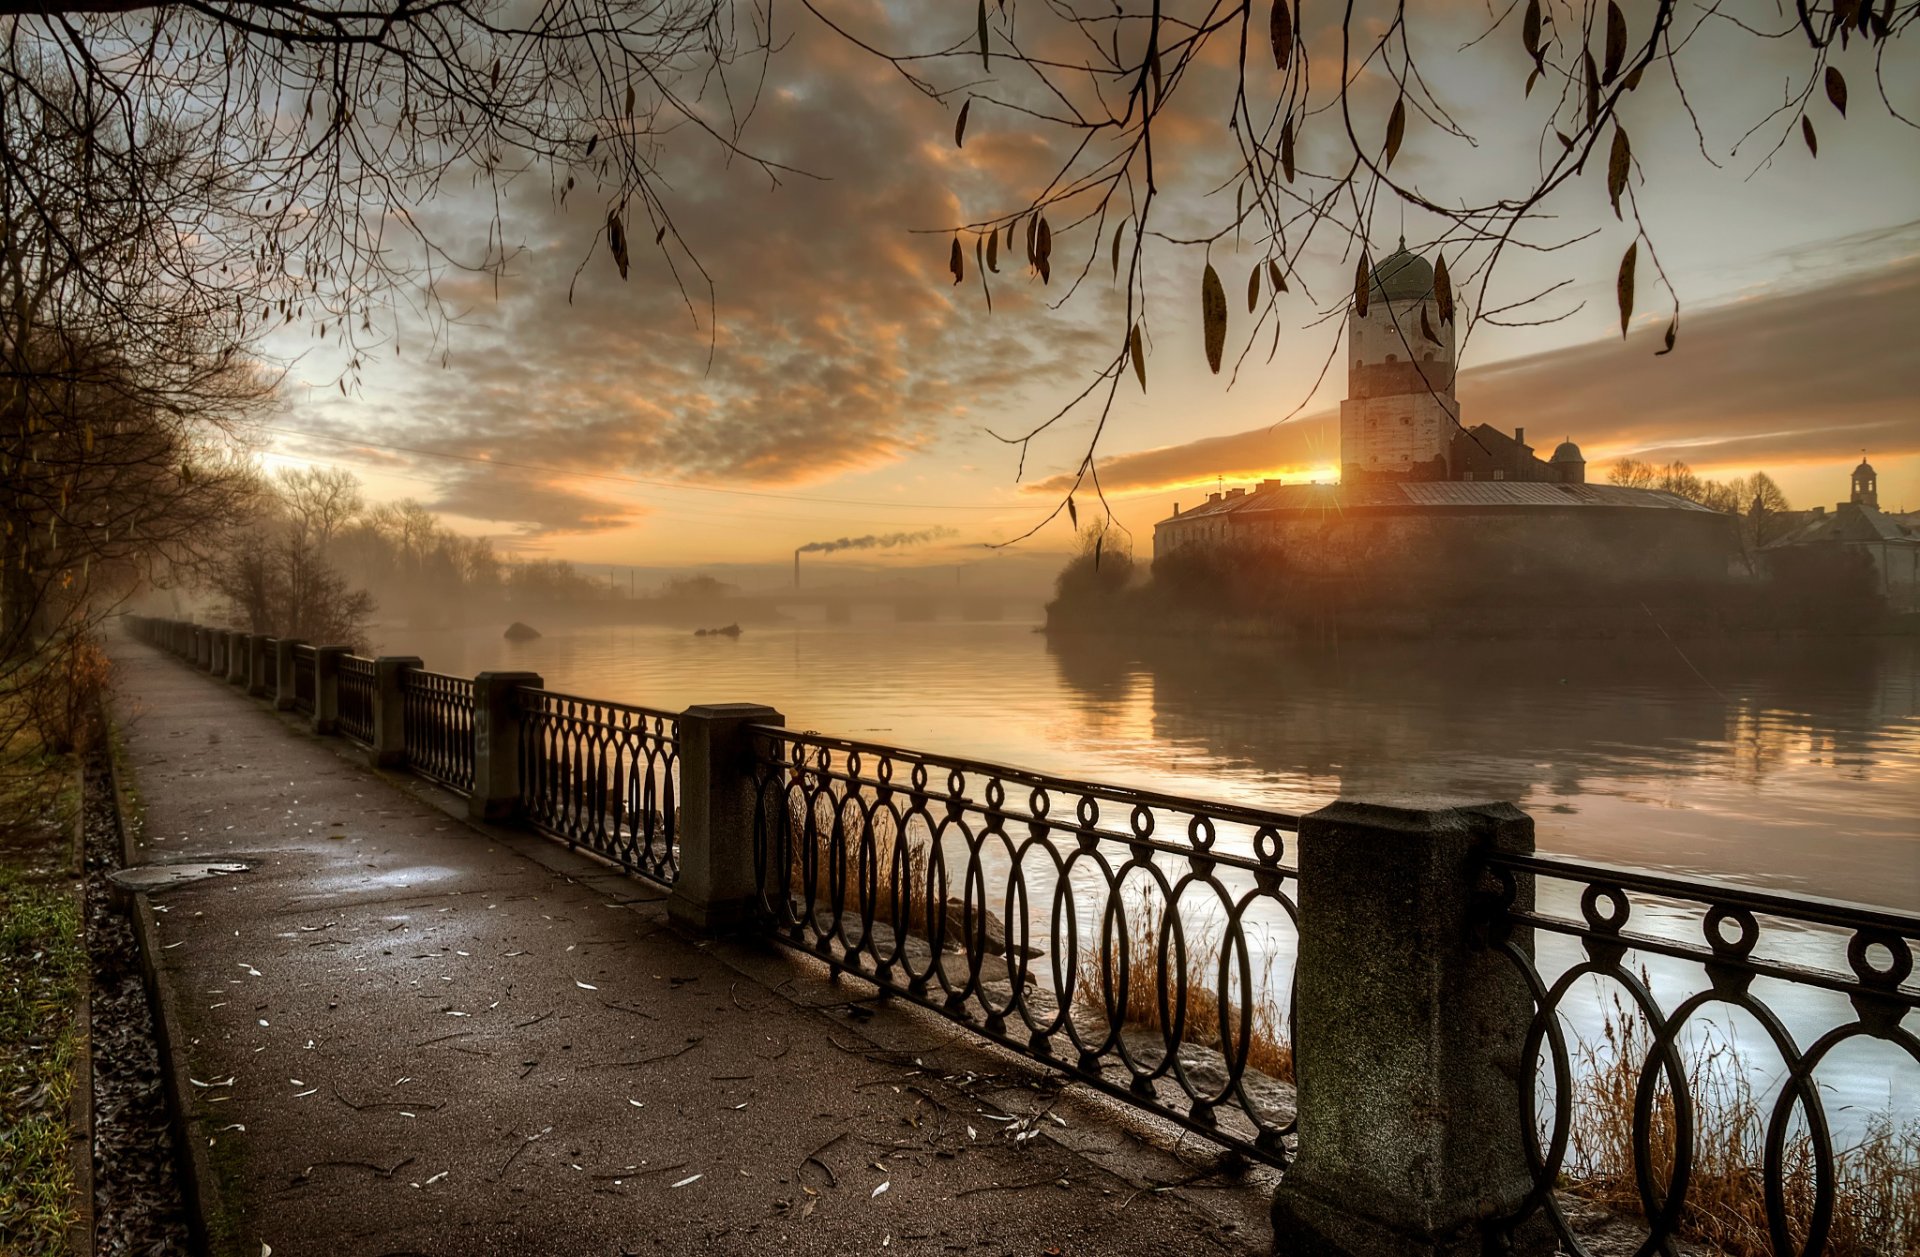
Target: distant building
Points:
(1422, 496)
(1857, 530)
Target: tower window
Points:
(1393, 358)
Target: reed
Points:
(1268, 1048)
(1876, 1208)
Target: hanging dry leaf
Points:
(1286, 149)
(1837, 89)
(1617, 163)
(1624, 286)
(1213, 316)
(617, 242)
(1530, 30)
(1274, 277)
(960, 127)
(993, 252)
(1532, 78)
(1673, 330)
(1253, 288)
(983, 34)
(1442, 289)
(957, 262)
(1139, 356)
(1396, 128)
(1632, 81)
(1073, 513)
(1806, 133)
(1616, 41)
(1282, 35)
(1361, 276)
(629, 100)
(1593, 87)
(1117, 227)
(1426, 325)
(1043, 251)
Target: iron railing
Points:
(305, 684)
(1681, 955)
(604, 776)
(355, 701)
(439, 726)
(1024, 907)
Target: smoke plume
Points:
(884, 541)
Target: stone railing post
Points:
(239, 657)
(202, 647)
(221, 642)
(326, 687)
(389, 749)
(714, 890)
(1408, 1040)
(260, 666)
(283, 684)
(496, 744)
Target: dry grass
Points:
(1876, 1210)
(895, 888)
(1268, 1049)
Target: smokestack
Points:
(1519, 436)
(796, 569)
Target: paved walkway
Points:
(398, 1034)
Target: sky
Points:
(840, 385)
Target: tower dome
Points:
(1401, 276)
(1566, 452)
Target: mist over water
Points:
(1791, 765)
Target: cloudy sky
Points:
(842, 385)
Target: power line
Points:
(618, 479)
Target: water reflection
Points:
(1790, 765)
(1795, 765)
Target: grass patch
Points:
(1876, 1207)
(42, 958)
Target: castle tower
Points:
(1866, 485)
(1400, 413)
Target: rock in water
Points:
(518, 632)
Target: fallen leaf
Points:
(585, 986)
(690, 1179)
(883, 1187)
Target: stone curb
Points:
(199, 1186)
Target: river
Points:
(1793, 766)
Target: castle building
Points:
(1422, 495)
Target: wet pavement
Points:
(399, 1034)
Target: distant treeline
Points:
(313, 559)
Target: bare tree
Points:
(1117, 87)
(320, 501)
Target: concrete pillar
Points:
(326, 687)
(260, 666)
(714, 891)
(239, 657)
(283, 672)
(1408, 1040)
(389, 749)
(496, 744)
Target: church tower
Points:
(1866, 485)
(1400, 414)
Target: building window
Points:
(1498, 474)
(1466, 475)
